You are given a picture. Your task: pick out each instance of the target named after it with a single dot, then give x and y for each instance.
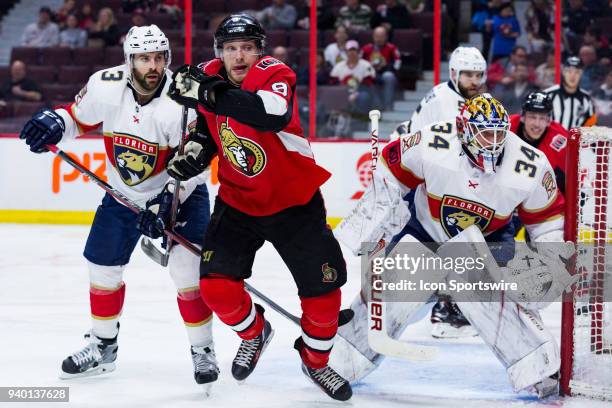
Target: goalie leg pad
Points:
(518, 339)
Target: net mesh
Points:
(592, 360)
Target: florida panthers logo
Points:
(456, 214)
(245, 155)
(134, 158)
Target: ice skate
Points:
(449, 322)
(97, 357)
(205, 366)
(249, 353)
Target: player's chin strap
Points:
(344, 316)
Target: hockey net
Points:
(586, 340)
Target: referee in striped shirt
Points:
(572, 106)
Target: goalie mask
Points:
(482, 125)
(141, 40)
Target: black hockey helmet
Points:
(537, 102)
(239, 27)
(573, 61)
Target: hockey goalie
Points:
(465, 180)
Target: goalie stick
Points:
(344, 316)
(378, 336)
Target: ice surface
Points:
(44, 311)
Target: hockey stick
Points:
(344, 316)
(146, 244)
(378, 335)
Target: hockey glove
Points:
(152, 221)
(200, 149)
(190, 87)
(45, 127)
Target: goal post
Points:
(586, 328)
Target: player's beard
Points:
(468, 92)
(141, 81)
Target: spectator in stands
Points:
(416, 6)
(73, 36)
(86, 18)
(130, 6)
(281, 54)
(69, 7)
(602, 97)
(502, 69)
(336, 52)
(278, 16)
(538, 26)
(545, 72)
(325, 16)
(359, 75)
(386, 60)
(593, 72)
(323, 70)
(355, 16)
(172, 7)
(514, 93)
(391, 15)
(482, 21)
(43, 33)
(576, 17)
(592, 36)
(506, 29)
(105, 32)
(19, 87)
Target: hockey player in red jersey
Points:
(269, 191)
(535, 126)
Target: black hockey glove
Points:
(200, 149)
(190, 87)
(153, 220)
(45, 127)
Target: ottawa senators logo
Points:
(329, 274)
(134, 158)
(267, 63)
(245, 155)
(456, 214)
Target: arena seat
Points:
(29, 55)
(76, 74)
(88, 56)
(42, 74)
(333, 97)
(27, 109)
(113, 56)
(56, 56)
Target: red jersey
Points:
(264, 172)
(386, 56)
(552, 143)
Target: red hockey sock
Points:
(193, 309)
(319, 326)
(106, 304)
(232, 304)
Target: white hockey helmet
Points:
(145, 39)
(466, 59)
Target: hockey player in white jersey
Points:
(474, 172)
(467, 72)
(141, 127)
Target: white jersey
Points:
(137, 138)
(452, 194)
(442, 103)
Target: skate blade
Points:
(447, 331)
(99, 370)
(207, 388)
(240, 382)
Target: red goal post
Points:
(586, 329)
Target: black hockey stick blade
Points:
(149, 248)
(345, 316)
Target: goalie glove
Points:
(540, 277)
(200, 149)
